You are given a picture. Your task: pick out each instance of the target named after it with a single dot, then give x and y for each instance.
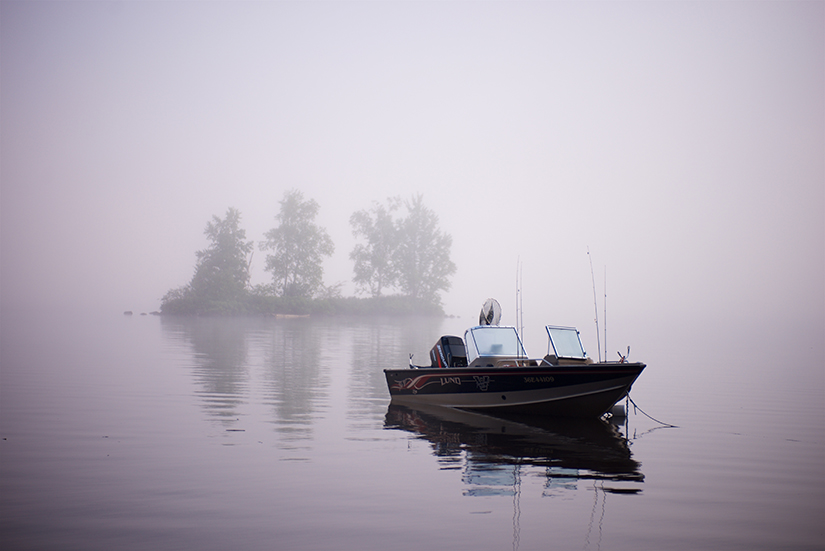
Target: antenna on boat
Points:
(595, 306)
(519, 299)
(605, 313)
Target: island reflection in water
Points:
(493, 451)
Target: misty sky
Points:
(683, 143)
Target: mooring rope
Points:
(648, 416)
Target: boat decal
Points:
(413, 383)
(482, 382)
(539, 379)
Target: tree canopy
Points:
(403, 262)
(409, 253)
(299, 246)
(374, 267)
(422, 258)
(221, 271)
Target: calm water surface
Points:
(146, 433)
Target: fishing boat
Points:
(489, 370)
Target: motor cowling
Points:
(449, 351)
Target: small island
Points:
(407, 255)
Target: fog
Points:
(682, 143)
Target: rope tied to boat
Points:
(636, 407)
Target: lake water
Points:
(142, 432)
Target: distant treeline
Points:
(406, 256)
(271, 305)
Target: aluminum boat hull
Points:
(587, 390)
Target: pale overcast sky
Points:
(682, 142)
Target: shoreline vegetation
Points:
(402, 260)
(257, 305)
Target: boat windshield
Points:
(492, 340)
(565, 342)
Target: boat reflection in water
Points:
(491, 450)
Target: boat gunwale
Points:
(607, 367)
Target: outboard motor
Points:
(449, 351)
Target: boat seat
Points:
(523, 362)
(553, 360)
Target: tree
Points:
(374, 269)
(422, 257)
(409, 253)
(222, 270)
(299, 246)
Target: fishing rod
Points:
(521, 299)
(595, 306)
(519, 303)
